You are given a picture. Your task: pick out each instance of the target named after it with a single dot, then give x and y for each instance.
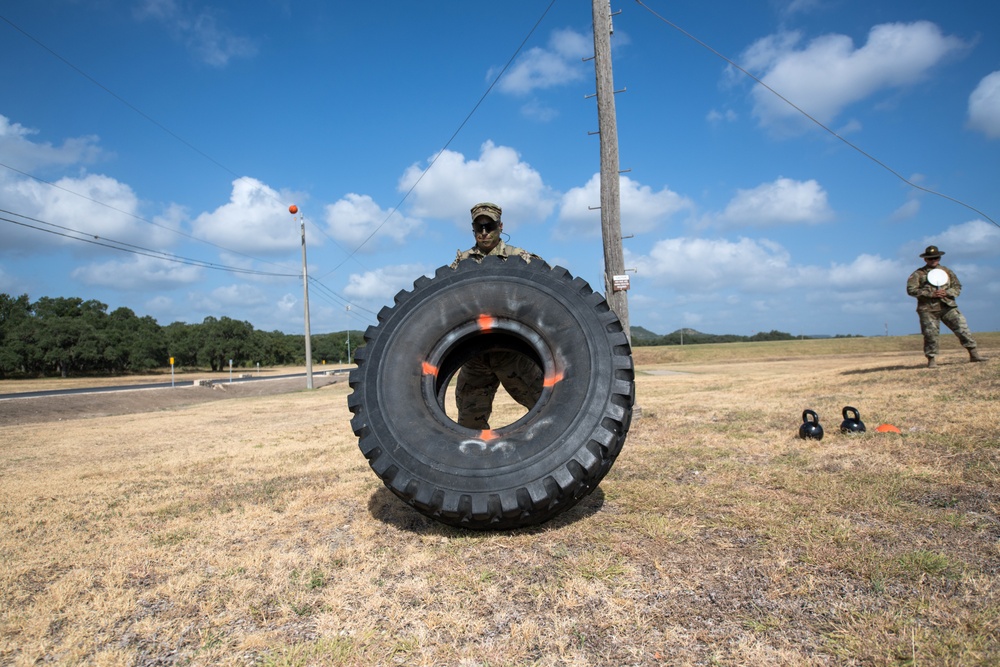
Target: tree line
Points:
(643, 337)
(71, 336)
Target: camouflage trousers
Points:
(480, 377)
(930, 327)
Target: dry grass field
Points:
(249, 530)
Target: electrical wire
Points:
(85, 237)
(158, 124)
(136, 249)
(324, 290)
(136, 217)
(168, 256)
(468, 117)
(814, 120)
(120, 98)
(93, 239)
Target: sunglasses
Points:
(487, 227)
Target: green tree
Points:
(69, 334)
(773, 334)
(225, 339)
(16, 338)
(331, 347)
(134, 343)
(273, 348)
(183, 342)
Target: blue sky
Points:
(186, 129)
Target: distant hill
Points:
(638, 333)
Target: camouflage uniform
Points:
(481, 376)
(501, 250)
(934, 310)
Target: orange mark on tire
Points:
(488, 435)
(430, 370)
(551, 380)
(485, 322)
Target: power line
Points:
(152, 120)
(120, 98)
(149, 252)
(349, 255)
(168, 256)
(343, 300)
(814, 120)
(452, 138)
(133, 215)
(122, 246)
(94, 239)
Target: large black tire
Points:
(517, 475)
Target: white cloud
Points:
(642, 209)
(973, 239)
(200, 33)
(381, 285)
(705, 265)
(829, 74)
(450, 187)
(984, 106)
(253, 303)
(21, 153)
(698, 267)
(802, 6)
(95, 207)
(714, 116)
(240, 295)
(254, 221)
(781, 202)
(144, 273)
(98, 208)
(355, 218)
(559, 63)
(865, 272)
(907, 211)
(536, 110)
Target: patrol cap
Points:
(489, 209)
(932, 251)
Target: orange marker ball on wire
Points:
(293, 209)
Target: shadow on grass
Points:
(389, 509)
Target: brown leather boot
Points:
(975, 356)
(931, 362)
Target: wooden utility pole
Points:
(615, 278)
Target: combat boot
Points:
(975, 356)
(931, 362)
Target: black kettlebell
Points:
(852, 424)
(810, 428)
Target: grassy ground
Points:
(251, 532)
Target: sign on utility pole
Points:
(615, 279)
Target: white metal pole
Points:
(305, 291)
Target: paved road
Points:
(157, 385)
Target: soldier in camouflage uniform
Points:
(937, 304)
(480, 377)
